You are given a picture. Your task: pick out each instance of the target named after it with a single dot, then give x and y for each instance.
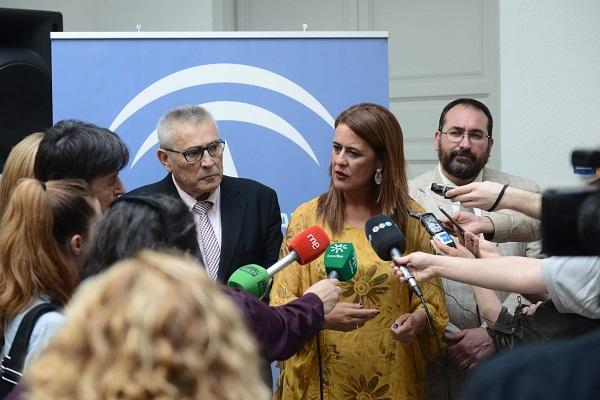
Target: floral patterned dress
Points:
(367, 363)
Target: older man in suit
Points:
(463, 142)
(238, 220)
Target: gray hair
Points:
(192, 114)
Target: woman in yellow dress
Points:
(376, 342)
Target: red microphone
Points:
(304, 248)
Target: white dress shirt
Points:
(214, 214)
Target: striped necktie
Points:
(210, 245)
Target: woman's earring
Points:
(378, 176)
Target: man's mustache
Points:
(464, 153)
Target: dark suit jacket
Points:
(250, 219)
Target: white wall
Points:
(549, 86)
(439, 50)
(123, 15)
(549, 62)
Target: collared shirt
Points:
(214, 214)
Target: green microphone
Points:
(252, 278)
(340, 261)
(303, 248)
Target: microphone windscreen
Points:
(383, 234)
(252, 278)
(341, 257)
(309, 244)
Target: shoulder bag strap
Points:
(12, 365)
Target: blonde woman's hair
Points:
(151, 327)
(18, 165)
(38, 222)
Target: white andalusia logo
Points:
(338, 248)
(229, 110)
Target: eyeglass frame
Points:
(469, 137)
(201, 149)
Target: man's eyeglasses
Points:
(475, 137)
(215, 149)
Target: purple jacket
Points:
(280, 330)
(17, 393)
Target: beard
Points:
(468, 167)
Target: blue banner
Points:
(275, 99)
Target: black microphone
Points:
(388, 242)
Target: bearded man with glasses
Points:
(238, 220)
(463, 142)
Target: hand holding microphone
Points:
(303, 248)
(328, 291)
(485, 195)
(422, 266)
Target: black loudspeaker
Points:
(25, 74)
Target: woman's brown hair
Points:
(377, 126)
(19, 165)
(39, 220)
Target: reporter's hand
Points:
(445, 250)
(409, 325)
(530, 310)
(348, 316)
(328, 291)
(476, 194)
(481, 248)
(470, 222)
(421, 264)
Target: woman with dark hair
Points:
(134, 223)
(357, 356)
(43, 235)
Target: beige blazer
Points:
(512, 229)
